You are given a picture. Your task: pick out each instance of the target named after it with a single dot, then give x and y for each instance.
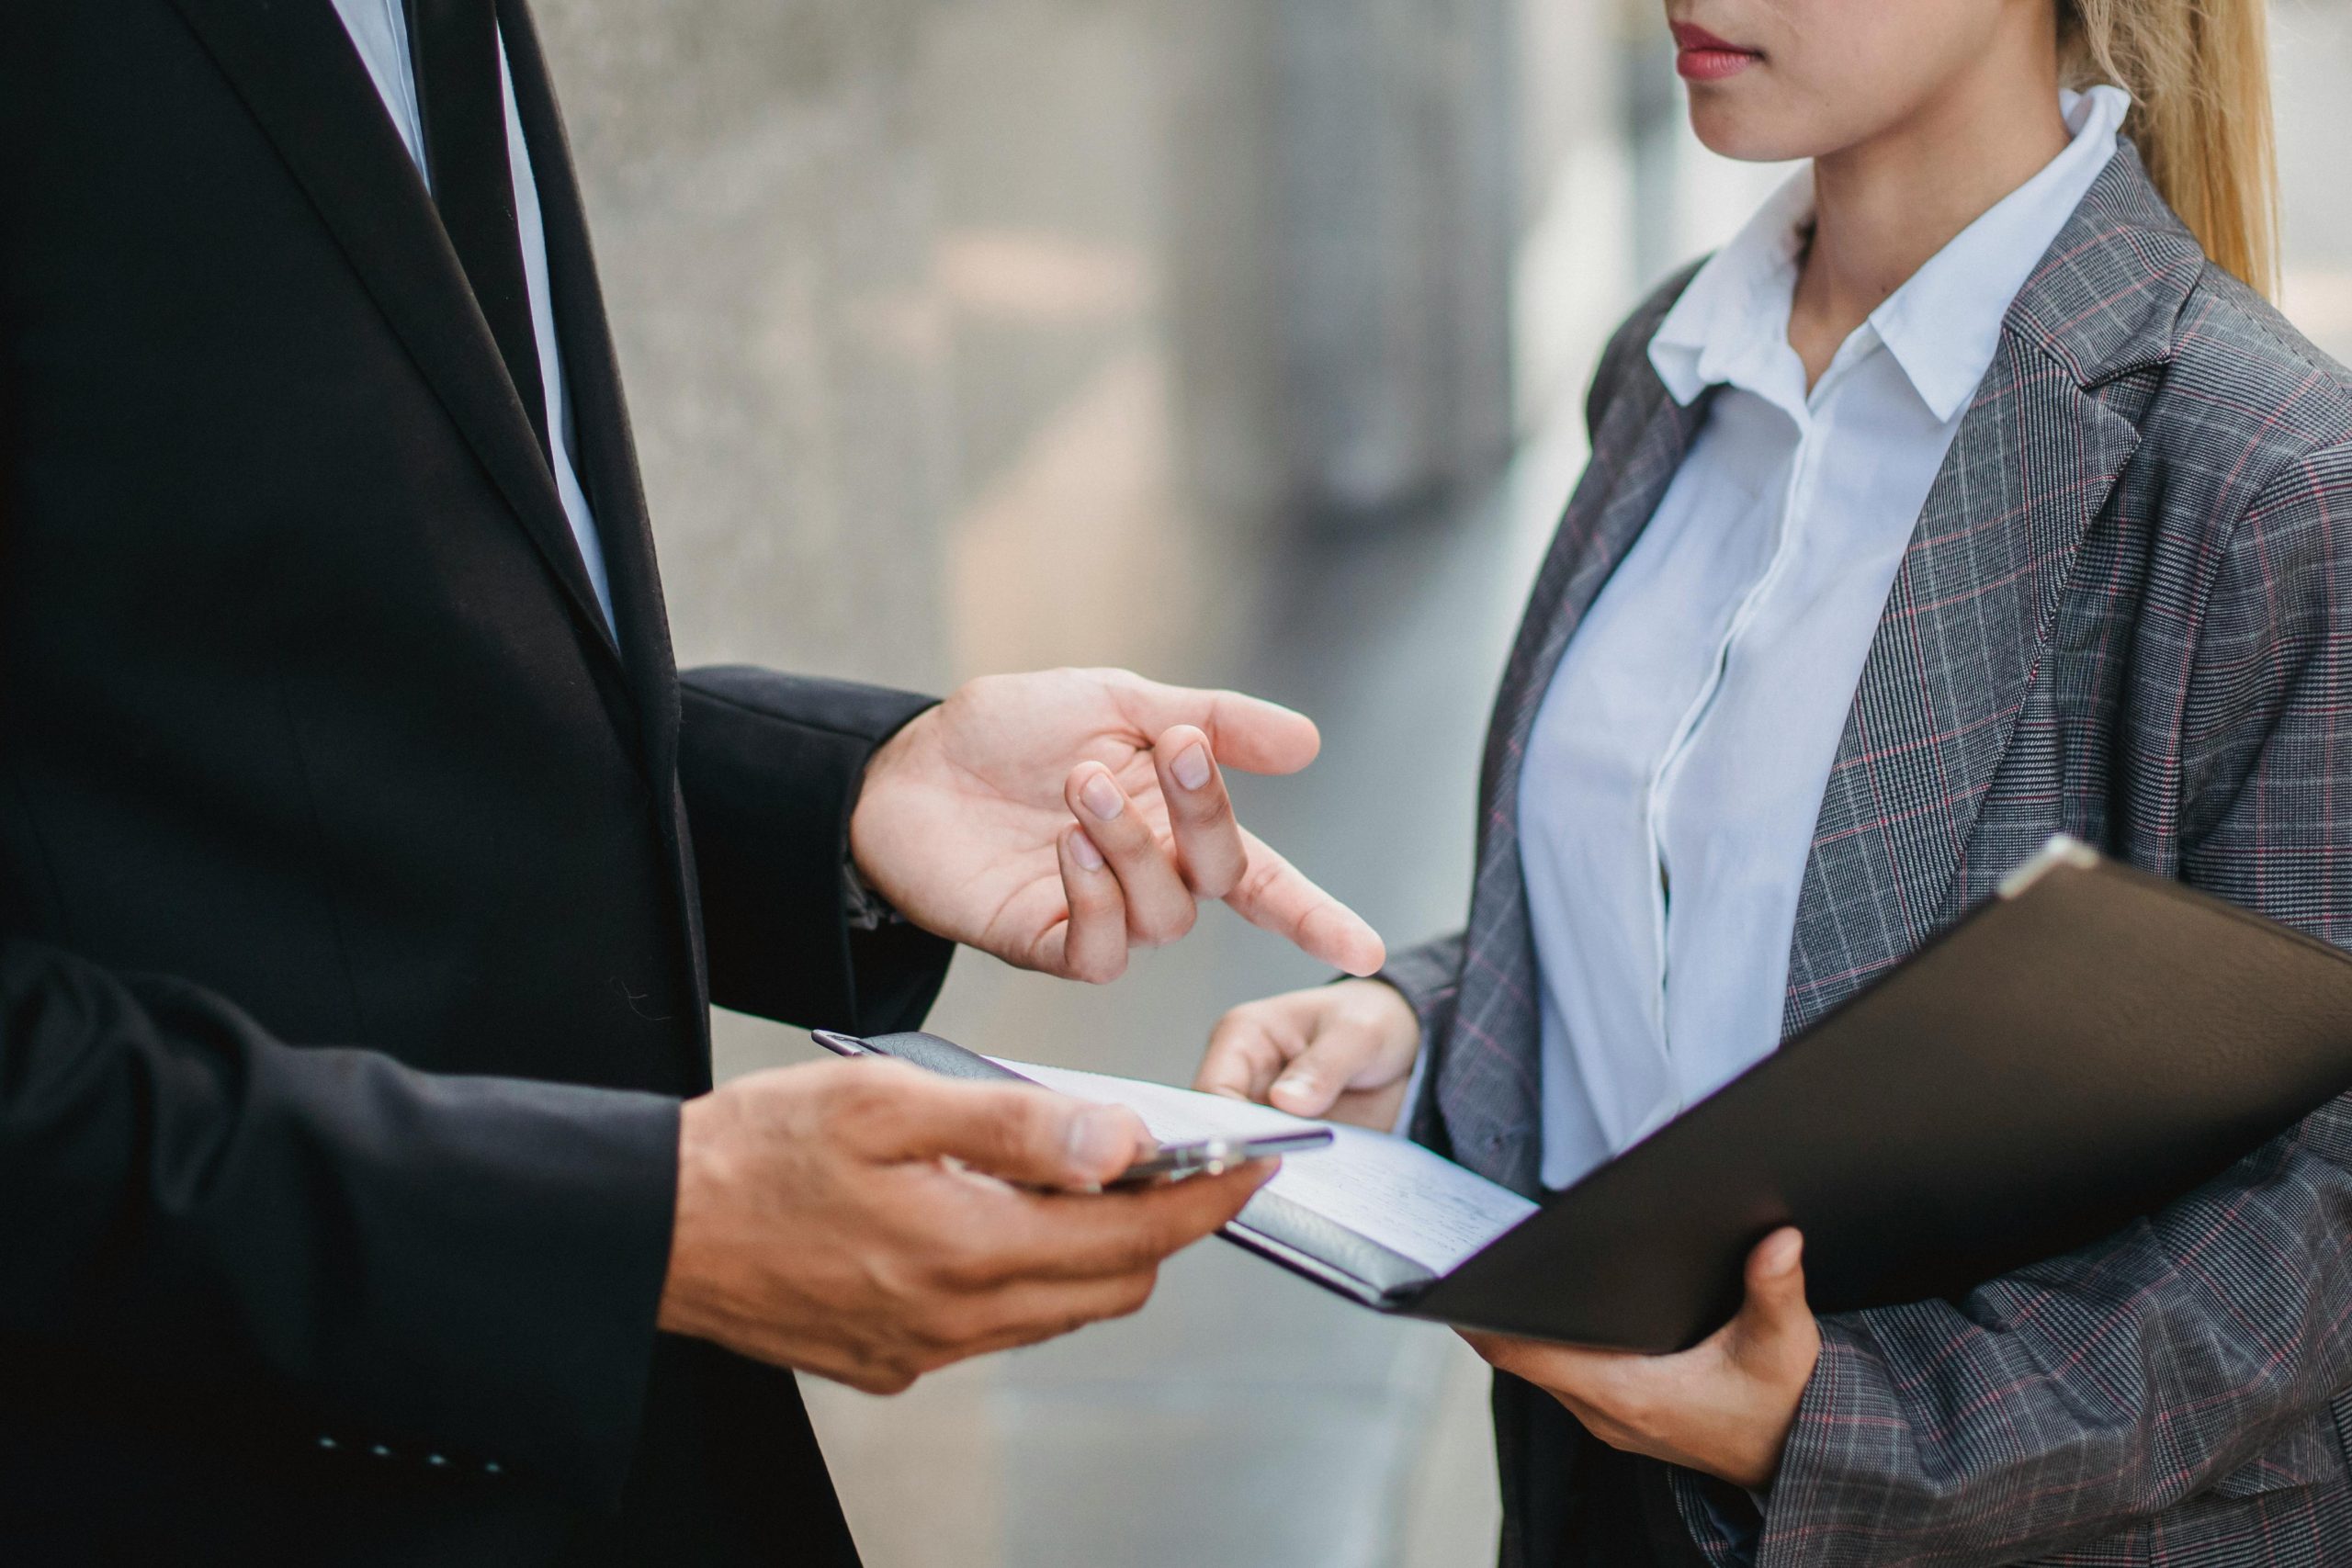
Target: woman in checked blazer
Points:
(1973, 493)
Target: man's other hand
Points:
(870, 1223)
(1058, 819)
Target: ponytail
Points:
(2199, 73)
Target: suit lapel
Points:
(303, 82)
(1487, 1080)
(1957, 648)
(1970, 617)
(605, 452)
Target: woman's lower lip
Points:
(1712, 64)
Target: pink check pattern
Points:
(2126, 614)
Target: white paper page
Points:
(1386, 1188)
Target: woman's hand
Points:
(1724, 1407)
(1343, 1052)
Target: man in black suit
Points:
(366, 871)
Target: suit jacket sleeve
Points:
(469, 1264)
(771, 765)
(2197, 1351)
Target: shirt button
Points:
(490, 1467)
(327, 1443)
(381, 1452)
(437, 1461)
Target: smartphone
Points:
(1214, 1157)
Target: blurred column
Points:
(1344, 208)
(761, 179)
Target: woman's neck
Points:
(1884, 205)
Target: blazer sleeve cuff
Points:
(1723, 1520)
(1781, 1528)
(546, 1211)
(1846, 1424)
(1429, 979)
(771, 766)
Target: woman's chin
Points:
(1739, 131)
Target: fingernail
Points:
(1293, 1087)
(1082, 850)
(1103, 797)
(1191, 769)
(1098, 1141)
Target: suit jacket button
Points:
(327, 1442)
(381, 1452)
(435, 1459)
(490, 1467)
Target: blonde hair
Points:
(2198, 72)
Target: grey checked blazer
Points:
(2126, 614)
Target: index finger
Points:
(1068, 1237)
(1275, 896)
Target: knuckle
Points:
(1209, 883)
(895, 1380)
(961, 1267)
(869, 1100)
(1633, 1408)
(1095, 897)
(946, 1326)
(893, 1287)
(1236, 1021)
(1171, 924)
(880, 1371)
(1144, 1253)
(1135, 1292)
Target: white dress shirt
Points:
(1675, 769)
(379, 29)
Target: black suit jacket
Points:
(355, 945)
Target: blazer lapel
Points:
(1961, 640)
(306, 86)
(605, 452)
(1487, 1078)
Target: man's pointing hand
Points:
(1059, 820)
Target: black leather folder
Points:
(2083, 1049)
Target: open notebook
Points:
(1372, 1216)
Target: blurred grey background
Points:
(1239, 342)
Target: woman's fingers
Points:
(1247, 1051)
(1302, 1051)
(1160, 908)
(1342, 1050)
(1209, 851)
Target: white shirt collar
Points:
(1942, 326)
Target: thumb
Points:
(1013, 1132)
(1775, 1309)
(1313, 1082)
